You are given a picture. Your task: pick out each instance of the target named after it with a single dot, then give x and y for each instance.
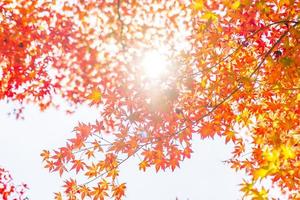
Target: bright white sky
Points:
(203, 176)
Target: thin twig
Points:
(240, 86)
(239, 47)
(205, 115)
(102, 174)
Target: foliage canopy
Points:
(228, 66)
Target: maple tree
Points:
(231, 70)
(8, 190)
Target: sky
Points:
(204, 176)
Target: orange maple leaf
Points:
(119, 191)
(78, 165)
(99, 193)
(92, 170)
(143, 165)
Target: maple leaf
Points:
(71, 186)
(160, 163)
(66, 153)
(229, 135)
(207, 130)
(104, 184)
(288, 152)
(261, 194)
(50, 165)
(95, 96)
(246, 188)
(98, 127)
(236, 5)
(78, 165)
(97, 146)
(60, 168)
(84, 191)
(239, 69)
(260, 173)
(92, 171)
(58, 196)
(45, 154)
(174, 163)
(143, 165)
(84, 130)
(113, 173)
(187, 152)
(77, 142)
(98, 193)
(90, 154)
(119, 191)
(198, 5)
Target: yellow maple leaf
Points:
(284, 2)
(143, 165)
(246, 188)
(95, 96)
(262, 194)
(198, 5)
(210, 16)
(271, 155)
(288, 152)
(260, 173)
(298, 97)
(58, 196)
(236, 5)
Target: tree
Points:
(8, 190)
(229, 69)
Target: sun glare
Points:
(154, 64)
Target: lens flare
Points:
(154, 64)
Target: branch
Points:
(240, 46)
(270, 51)
(240, 86)
(205, 115)
(286, 88)
(102, 174)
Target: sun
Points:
(154, 64)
